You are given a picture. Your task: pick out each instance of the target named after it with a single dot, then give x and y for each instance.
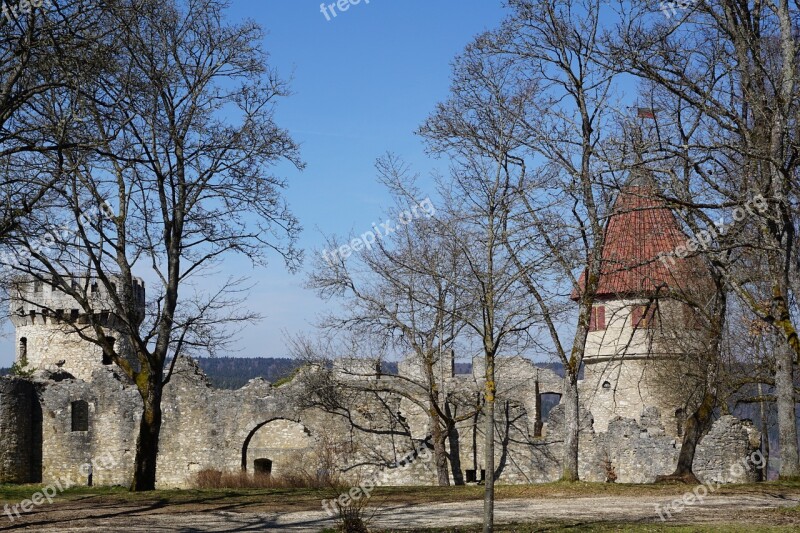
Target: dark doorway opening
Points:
(262, 467)
(23, 351)
(107, 359)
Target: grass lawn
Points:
(292, 500)
(415, 494)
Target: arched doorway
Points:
(262, 467)
(273, 446)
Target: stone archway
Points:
(274, 442)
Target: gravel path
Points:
(89, 516)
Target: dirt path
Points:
(96, 516)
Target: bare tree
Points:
(42, 51)
(402, 291)
(550, 101)
(183, 136)
(480, 126)
(483, 200)
(736, 64)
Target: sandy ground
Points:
(97, 516)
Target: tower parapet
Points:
(38, 302)
(51, 326)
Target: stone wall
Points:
(206, 428)
(369, 436)
(114, 409)
(725, 455)
(630, 368)
(625, 387)
(638, 452)
(20, 432)
(52, 346)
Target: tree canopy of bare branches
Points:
(174, 143)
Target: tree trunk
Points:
(455, 449)
(569, 470)
(696, 426)
(764, 434)
(475, 437)
(144, 476)
(439, 450)
(488, 409)
(538, 423)
(787, 417)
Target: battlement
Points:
(38, 302)
(356, 368)
(51, 325)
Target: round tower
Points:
(645, 345)
(50, 324)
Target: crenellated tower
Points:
(50, 324)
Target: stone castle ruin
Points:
(638, 388)
(45, 320)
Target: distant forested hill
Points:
(235, 372)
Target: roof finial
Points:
(639, 175)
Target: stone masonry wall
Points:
(20, 432)
(622, 388)
(53, 346)
(206, 428)
(629, 368)
(110, 442)
(723, 454)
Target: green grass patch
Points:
(286, 379)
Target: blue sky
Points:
(362, 83)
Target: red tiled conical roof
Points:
(642, 228)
